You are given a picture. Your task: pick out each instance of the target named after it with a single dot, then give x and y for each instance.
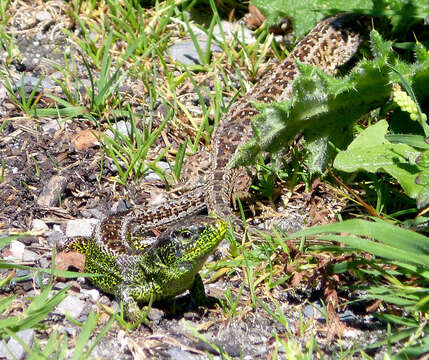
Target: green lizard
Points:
(164, 269)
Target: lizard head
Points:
(187, 245)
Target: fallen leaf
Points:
(86, 139)
(69, 260)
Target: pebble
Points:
(39, 225)
(314, 310)
(60, 285)
(13, 349)
(119, 206)
(92, 213)
(186, 53)
(122, 127)
(50, 127)
(16, 251)
(31, 81)
(232, 30)
(155, 315)
(348, 316)
(3, 93)
(43, 16)
(29, 256)
(71, 331)
(180, 354)
(81, 227)
(72, 306)
(152, 176)
(55, 237)
(51, 192)
(94, 294)
(115, 306)
(22, 272)
(28, 240)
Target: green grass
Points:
(39, 308)
(126, 41)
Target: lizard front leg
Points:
(130, 295)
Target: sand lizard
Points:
(133, 270)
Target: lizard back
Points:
(330, 44)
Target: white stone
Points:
(81, 227)
(13, 349)
(72, 306)
(94, 294)
(16, 249)
(39, 225)
(43, 16)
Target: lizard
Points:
(151, 272)
(131, 269)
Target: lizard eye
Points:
(186, 234)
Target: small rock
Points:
(190, 315)
(72, 306)
(22, 272)
(44, 263)
(50, 127)
(81, 227)
(29, 256)
(3, 92)
(94, 294)
(152, 176)
(314, 310)
(70, 260)
(179, 354)
(185, 52)
(92, 213)
(93, 35)
(27, 286)
(52, 191)
(39, 225)
(16, 251)
(234, 29)
(71, 331)
(122, 127)
(119, 206)
(155, 314)
(115, 306)
(348, 316)
(122, 338)
(55, 237)
(163, 165)
(28, 240)
(351, 333)
(13, 349)
(59, 285)
(30, 82)
(43, 16)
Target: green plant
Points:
(230, 305)
(128, 151)
(17, 92)
(329, 108)
(405, 283)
